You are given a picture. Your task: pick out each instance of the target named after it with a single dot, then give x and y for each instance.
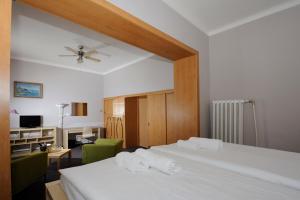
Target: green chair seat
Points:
(28, 170)
(102, 149)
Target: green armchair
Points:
(27, 170)
(102, 149)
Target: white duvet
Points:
(104, 180)
(275, 166)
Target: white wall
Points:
(152, 74)
(159, 15)
(261, 60)
(60, 86)
(66, 86)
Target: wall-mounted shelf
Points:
(26, 140)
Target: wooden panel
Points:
(143, 122)
(186, 109)
(171, 118)
(104, 17)
(108, 112)
(5, 26)
(118, 106)
(142, 94)
(157, 119)
(108, 108)
(131, 121)
(120, 129)
(55, 191)
(79, 109)
(109, 127)
(114, 124)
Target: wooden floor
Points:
(54, 191)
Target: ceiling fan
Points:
(82, 54)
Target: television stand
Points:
(24, 141)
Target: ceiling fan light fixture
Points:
(82, 54)
(79, 59)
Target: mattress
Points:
(104, 180)
(247, 159)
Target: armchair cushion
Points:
(102, 149)
(27, 170)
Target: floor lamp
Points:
(61, 108)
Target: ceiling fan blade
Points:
(104, 54)
(90, 52)
(102, 45)
(79, 60)
(72, 50)
(94, 59)
(67, 55)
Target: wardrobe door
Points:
(157, 130)
(171, 118)
(108, 120)
(143, 122)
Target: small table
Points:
(58, 155)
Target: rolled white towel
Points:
(131, 162)
(161, 163)
(206, 143)
(188, 144)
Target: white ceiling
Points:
(39, 37)
(214, 16)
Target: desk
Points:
(78, 130)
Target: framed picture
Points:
(28, 90)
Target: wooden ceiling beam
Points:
(106, 18)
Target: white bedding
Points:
(268, 164)
(104, 180)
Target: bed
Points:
(235, 172)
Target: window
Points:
(118, 109)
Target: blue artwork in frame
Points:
(28, 90)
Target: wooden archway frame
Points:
(104, 17)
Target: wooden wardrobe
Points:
(144, 121)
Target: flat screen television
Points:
(30, 121)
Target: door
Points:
(131, 121)
(157, 119)
(143, 122)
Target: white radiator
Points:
(228, 120)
